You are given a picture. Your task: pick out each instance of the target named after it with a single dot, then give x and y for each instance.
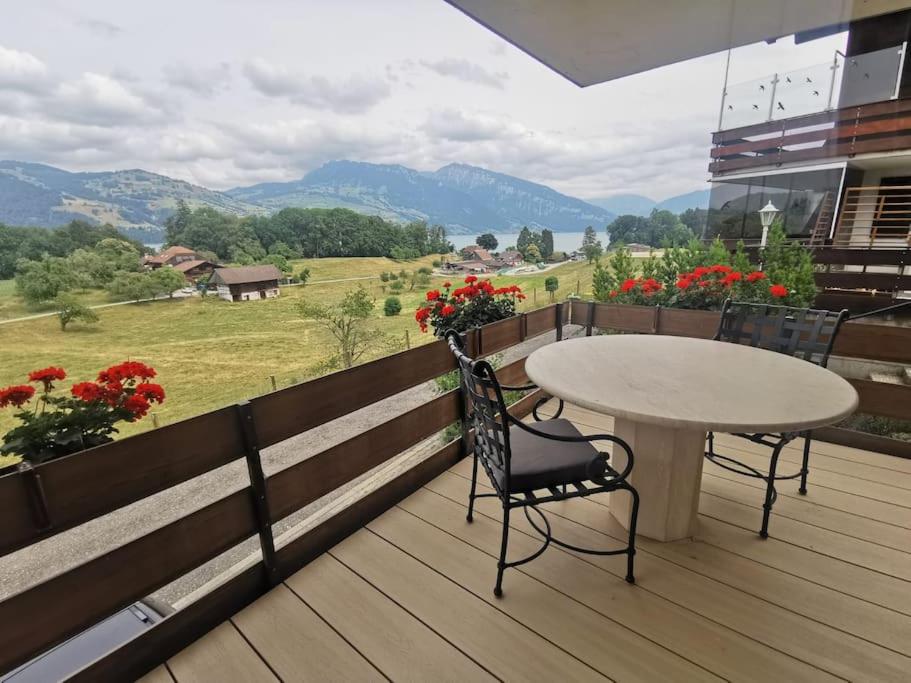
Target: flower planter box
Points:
(681, 322)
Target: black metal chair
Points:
(804, 333)
(529, 466)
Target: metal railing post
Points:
(558, 320)
(258, 487)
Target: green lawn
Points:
(210, 353)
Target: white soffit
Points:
(592, 41)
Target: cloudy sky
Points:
(233, 92)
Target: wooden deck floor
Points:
(409, 597)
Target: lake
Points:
(563, 241)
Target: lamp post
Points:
(766, 216)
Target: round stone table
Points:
(666, 392)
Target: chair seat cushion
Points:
(538, 462)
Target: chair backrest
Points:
(486, 409)
(805, 333)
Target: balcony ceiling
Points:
(592, 41)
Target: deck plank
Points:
(809, 512)
(509, 649)
(159, 674)
(399, 645)
(820, 603)
(737, 613)
(220, 655)
(573, 625)
(298, 644)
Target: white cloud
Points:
(98, 99)
(21, 71)
(357, 94)
(200, 80)
(466, 71)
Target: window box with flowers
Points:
(56, 425)
(477, 303)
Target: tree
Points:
(551, 284)
(392, 306)
(547, 243)
(71, 310)
(397, 285)
(42, 281)
(346, 322)
(166, 280)
(304, 275)
(533, 253)
(591, 245)
(131, 286)
(487, 241)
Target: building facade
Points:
(247, 283)
(829, 145)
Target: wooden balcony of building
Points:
(409, 597)
(839, 133)
(385, 579)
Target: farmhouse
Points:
(247, 283)
(475, 253)
(171, 257)
(511, 257)
(193, 269)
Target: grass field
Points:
(210, 353)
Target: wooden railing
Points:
(874, 216)
(879, 127)
(39, 503)
(46, 500)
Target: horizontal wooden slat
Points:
(513, 374)
(864, 441)
(310, 479)
(540, 321)
(875, 342)
(847, 280)
(578, 311)
(880, 398)
(861, 257)
(500, 335)
(284, 413)
(626, 318)
(684, 323)
(86, 485)
(60, 607)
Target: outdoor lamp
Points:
(766, 216)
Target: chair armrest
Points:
(582, 438)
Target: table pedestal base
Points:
(667, 474)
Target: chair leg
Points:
(501, 565)
(770, 491)
(804, 470)
(474, 482)
(631, 552)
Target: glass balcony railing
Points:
(841, 82)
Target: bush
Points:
(397, 286)
(392, 306)
(436, 263)
(71, 310)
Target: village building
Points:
(171, 257)
(193, 269)
(475, 253)
(511, 257)
(247, 283)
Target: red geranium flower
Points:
(470, 278)
(627, 285)
(137, 405)
(731, 278)
(433, 295)
(447, 285)
(47, 376)
(700, 271)
(128, 370)
(778, 291)
(447, 311)
(613, 294)
(756, 275)
(88, 391)
(720, 268)
(16, 395)
(150, 392)
(683, 283)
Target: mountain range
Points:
(465, 199)
(640, 205)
